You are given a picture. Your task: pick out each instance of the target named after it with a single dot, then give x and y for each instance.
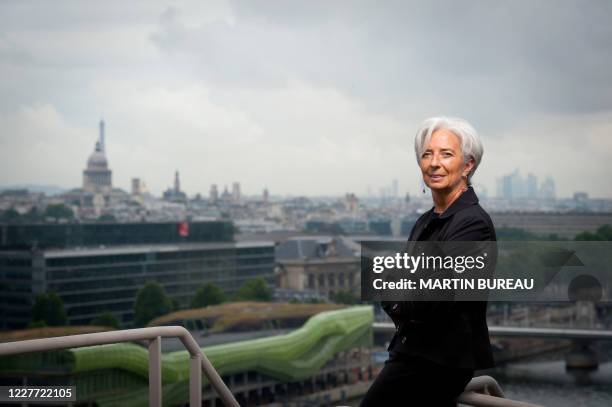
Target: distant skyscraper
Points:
(225, 196)
(266, 196)
(177, 182)
(532, 186)
(506, 190)
(236, 192)
(213, 196)
(515, 186)
(581, 196)
(547, 189)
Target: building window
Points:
(341, 279)
(311, 281)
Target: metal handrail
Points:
(554, 333)
(197, 361)
(485, 384)
(484, 391)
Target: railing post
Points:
(155, 378)
(154, 335)
(195, 381)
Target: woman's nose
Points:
(435, 161)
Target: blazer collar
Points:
(465, 200)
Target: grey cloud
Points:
(361, 71)
(43, 15)
(499, 58)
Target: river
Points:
(544, 380)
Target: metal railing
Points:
(197, 361)
(484, 391)
(517, 331)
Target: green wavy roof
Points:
(117, 374)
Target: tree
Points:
(33, 215)
(37, 324)
(254, 290)
(176, 305)
(106, 319)
(151, 302)
(208, 294)
(603, 233)
(587, 236)
(344, 297)
(10, 215)
(107, 217)
(39, 309)
(58, 211)
(49, 308)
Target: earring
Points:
(423, 186)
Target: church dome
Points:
(97, 159)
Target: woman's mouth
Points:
(436, 177)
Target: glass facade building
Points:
(94, 280)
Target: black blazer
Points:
(453, 334)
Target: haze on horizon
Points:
(304, 98)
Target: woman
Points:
(438, 345)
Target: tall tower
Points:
(236, 192)
(214, 193)
(102, 141)
(177, 183)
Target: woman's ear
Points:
(469, 166)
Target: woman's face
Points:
(442, 162)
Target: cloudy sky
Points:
(303, 97)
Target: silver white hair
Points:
(471, 146)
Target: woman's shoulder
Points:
(474, 222)
(420, 222)
(474, 213)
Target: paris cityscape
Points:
(190, 193)
(100, 248)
